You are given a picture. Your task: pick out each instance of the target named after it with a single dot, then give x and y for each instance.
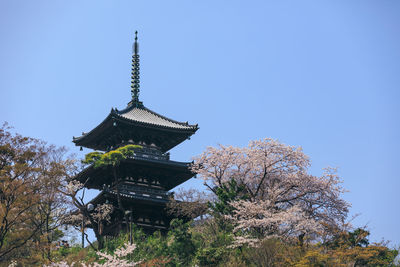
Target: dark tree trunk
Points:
(301, 240)
(48, 237)
(120, 206)
(99, 237)
(100, 241)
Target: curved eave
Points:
(103, 195)
(137, 198)
(122, 119)
(169, 163)
(184, 125)
(107, 125)
(87, 174)
(100, 127)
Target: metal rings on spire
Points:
(135, 75)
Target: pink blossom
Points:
(115, 260)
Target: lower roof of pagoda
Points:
(167, 172)
(141, 204)
(136, 124)
(148, 202)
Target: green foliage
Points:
(180, 242)
(210, 256)
(92, 157)
(113, 157)
(212, 240)
(351, 239)
(208, 244)
(150, 246)
(228, 192)
(73, 254)
(358, 238)
(63, 252)
(112, 244)
(271, 252)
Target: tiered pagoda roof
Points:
(145, 116)
(134, 124)
(171, 173)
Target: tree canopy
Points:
(31, 208)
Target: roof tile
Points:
(145, 115)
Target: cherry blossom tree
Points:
(75, 190)
(282, 198)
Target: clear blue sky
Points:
(323, 75)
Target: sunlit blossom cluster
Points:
(74, 186)
(103, 212)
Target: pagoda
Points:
(142, 181)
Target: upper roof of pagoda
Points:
(141, 114)
(139, 125)
(136, 124)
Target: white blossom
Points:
(115, 260)
(103, 212)
(74, 186)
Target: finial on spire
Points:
(135, 85)
(136, 45)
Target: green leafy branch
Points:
(113, 157)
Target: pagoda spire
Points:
(135, 83)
